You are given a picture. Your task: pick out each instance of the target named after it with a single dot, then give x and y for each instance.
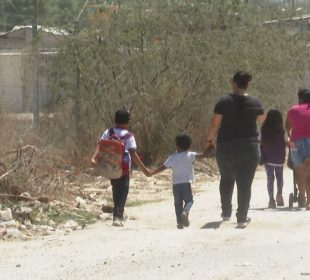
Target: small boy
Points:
(181, 164)
(120, 186)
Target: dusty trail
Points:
(274, 246)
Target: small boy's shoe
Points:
(272, 204)
(117, 222)
(279, 200)
(244, 224)
(180, 226)
(225, 218)
(185, 220)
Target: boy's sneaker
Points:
(272, 204)
(117, 222)
(244, 224)
(180, 226)
(279, 200)
(185, 220)
(225, 218)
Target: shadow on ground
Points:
(212, 225)
(278, 209)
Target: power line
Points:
(17, 15)
(84, 6)
(14, 7)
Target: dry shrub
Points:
(32, 163)
(169, 62)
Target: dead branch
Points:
(41, 199)
(6, 174)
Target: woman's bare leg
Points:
(300, 178)
(307, 182)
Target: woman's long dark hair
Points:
(272, 126)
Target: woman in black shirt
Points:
(235, 124)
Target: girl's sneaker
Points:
(272, 204)
(185, 220)
(180, 226)
(225, 218)
(244, 224)
(279, 200)
(301, 201)
(117, 222)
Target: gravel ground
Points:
(275, 245)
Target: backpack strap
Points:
(111, 132)
(113, 135)
(126, 136)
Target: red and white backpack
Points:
(113, 161)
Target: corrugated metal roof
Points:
(299, 18)
(52, 30)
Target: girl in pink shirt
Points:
(298, 126)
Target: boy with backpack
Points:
(121, 137)
(181, 163)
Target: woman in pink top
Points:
(298, 126)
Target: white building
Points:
(18, 80)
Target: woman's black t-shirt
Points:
(239, 117)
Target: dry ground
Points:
(274, 246)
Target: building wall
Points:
(17, 78)
(17, 82)
(11, 80)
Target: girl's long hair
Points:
(272, 126)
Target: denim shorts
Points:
(302, 152)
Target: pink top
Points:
(299, 117)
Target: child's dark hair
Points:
(122, 116)
(304, 95)
(272, 126)
(183, 141)
(242, 79)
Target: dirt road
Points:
(276, 245)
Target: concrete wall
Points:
(17, 82)
(17, 78)
(11, 80)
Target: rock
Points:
(10, 223)
(106, 209)
(6, 215)
(80, 202)
(97, 213)
(43, 199)
(37, 204)
(25, 194)
(71, 224)
(25, 210)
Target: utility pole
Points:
(293, 8)
(77, 97)
(3, 17)
(35, 96)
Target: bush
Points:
(168, 62)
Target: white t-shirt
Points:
(130, 143)
(182, 167)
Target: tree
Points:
(168, 63)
